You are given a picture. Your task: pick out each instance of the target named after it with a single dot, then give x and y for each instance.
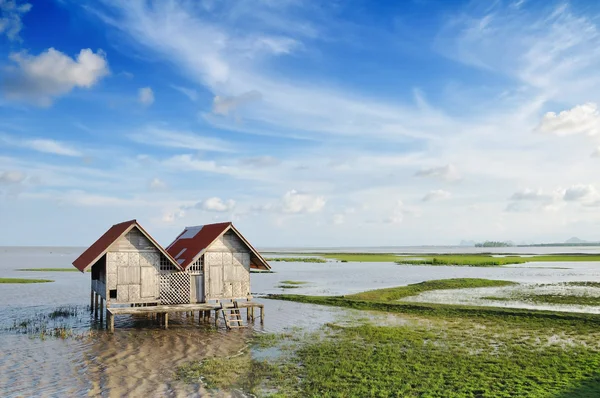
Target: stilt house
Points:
(210, 262)
(217, 259)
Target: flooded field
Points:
(139, 359)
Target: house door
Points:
(199, 279)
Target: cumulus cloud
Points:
(338, 219)
(582, 119)
(396, 216)
(171, 216)
(295, 202)
(39, 78)
(528, 194)
(156, 184)
(225, 105)
(216, 204)
(146, 96)
(581, 193)
(447, 172)
(12, 177)
(11, 13)
(437, 194)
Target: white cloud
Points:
(528, 194)
(226, 105)
(42, 145)
(146, 96)
(12, 177)
(447, 172)
(216, 204)
(396, 216)
(179, 139)
(188, 92)
(438, 194)
(11, 13)
(295, 202)
(51, 146)
(261, 161)
(339, 219)
(39, 78)
(581, 193)
(156, 184)
(582, 119)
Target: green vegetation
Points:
(439, 350)
(298, 259)
(253, 271)
(24, 280)
(290, 284)
(396, 293)
(487, 260)
(50, 269)
(53, 324)
(476, 260)
(491, 243)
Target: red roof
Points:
(101, 246)
(194, 240)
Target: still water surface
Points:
(139, 358)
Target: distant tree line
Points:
(491, 243)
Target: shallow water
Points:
(139, 359)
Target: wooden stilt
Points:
(262, 314)
(111, 322)
(95, 305)
(166, 320)
(91, 301)
(101, 309)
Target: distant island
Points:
(491, 243)
(574, 241)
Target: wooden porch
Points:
(230, 312)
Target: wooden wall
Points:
(132, 268)
(227, 268)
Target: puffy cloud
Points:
(261, 161)
(11, 13)
(12, 177)
(171, 216)
(296, 203)
(338, 219)
(146, 96)
(580, 193)
(156, 184)
(530, 194)
(437, 194)
(226, 105)
(216, 204)
(39, 78)
(582, 119)
(447, 172)
(397, 214)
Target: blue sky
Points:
(306, 123)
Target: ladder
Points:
(232, 316)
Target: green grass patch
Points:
(362, 257)
(24, 280)
(290, 284)
(562, 299)
(396, 293)
(50, 269)
(294, 282)
(298, 259)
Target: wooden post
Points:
(91, 301)
(262, 314)
(95, 305)
(110, 321)
(101, 309)
(166, 320)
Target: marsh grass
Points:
(291, 284)
(53, 324)
(24, 280)
(396, 293)
(298, 259)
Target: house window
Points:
(197, 266)
(113, 294)
(166, 265)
